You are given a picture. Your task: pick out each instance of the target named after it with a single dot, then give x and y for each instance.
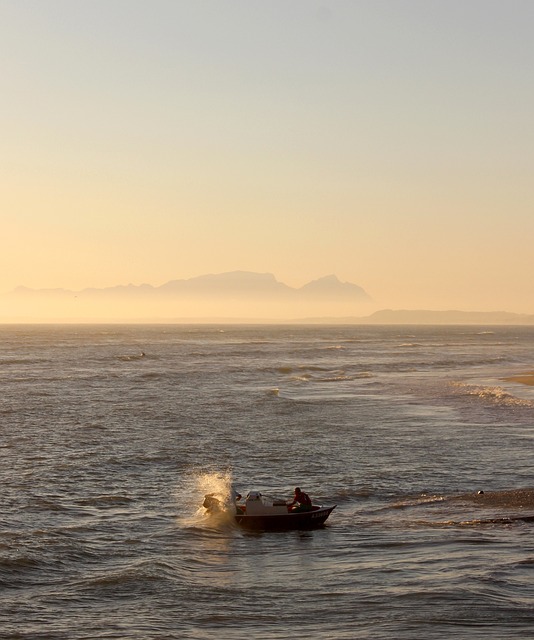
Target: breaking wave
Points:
(495, 395)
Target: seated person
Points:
(302, 500)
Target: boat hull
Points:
(295, 520)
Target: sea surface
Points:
(111, 435)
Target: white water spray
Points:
(195, 486)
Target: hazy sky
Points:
(389, 142)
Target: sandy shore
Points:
(524, 378)
(514, 499)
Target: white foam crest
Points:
(497, 395)
(423, 499)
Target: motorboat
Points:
(261, 513)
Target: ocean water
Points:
(111, 435)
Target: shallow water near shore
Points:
(111, 436)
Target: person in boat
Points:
(301, 501)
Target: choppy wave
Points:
(288, 369)
(505, 520)
(409, 345)
(132, 357)
(105, 501)
(417, 501)
(332, 375)
(18, 361)
(107, 456)
(494, 395)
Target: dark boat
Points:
(261, 513)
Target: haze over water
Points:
(387, 142)
(110, 436)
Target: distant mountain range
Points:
(232, 284)
(233, 296)
(237, 296)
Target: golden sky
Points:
(389, 142)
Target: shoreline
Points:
(523, 378)
(507, 498)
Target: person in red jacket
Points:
(302, 500)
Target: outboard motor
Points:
(212, 504)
